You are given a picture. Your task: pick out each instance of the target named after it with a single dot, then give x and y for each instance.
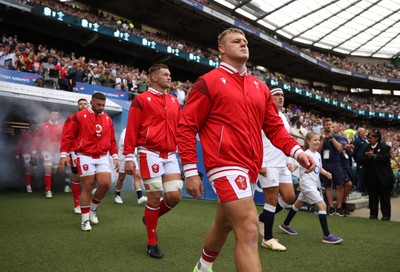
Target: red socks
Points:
(76, 192)
(151, 216)
(47, 182)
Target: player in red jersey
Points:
(75, 185)
(47, 140)
(23, 152)
(93, 132)
(228, 107)
(152, 127)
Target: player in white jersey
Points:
(275, 180)
(121, 174)
(310, 185)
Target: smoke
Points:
(24, 111)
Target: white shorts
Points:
(50, 159)
(152, 166)
(122, 164)
(311, 197)
(88, 166)
(275, 175)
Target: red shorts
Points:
(232, 187)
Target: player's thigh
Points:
(103, 178)
(287, 191)
(241, 213)
(271, 195)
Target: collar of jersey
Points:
(154, 91)
(231, 70)
(53, 123)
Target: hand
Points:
(329, 175)
(116, 165)
(63, 161)
(369, 154)
(263, 171)
(130, 168)
(306, 161)
(194, 186)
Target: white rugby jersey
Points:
(274, 157)
(310, 181)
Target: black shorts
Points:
(337, 175)
(347, 173)
(74, 170)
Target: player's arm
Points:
(131, 135)
(114, 148)
(69, 134)
(192, 119)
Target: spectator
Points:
(360, 143)
(107, 79)
(379, 176)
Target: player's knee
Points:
(289, 198)
(248, 232)
(321, 206)
(173, 198)
(153, 184)
(272, 200)
(173, 186)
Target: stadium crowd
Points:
(25, 56)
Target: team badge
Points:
(256, 83)
(155, 168)
(241, 182)
(85, 167)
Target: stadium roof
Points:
(369, 28)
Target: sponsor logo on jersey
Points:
(99, 129)
(241, 182)
(223, 80)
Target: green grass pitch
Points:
(38, 234)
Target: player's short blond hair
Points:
(229, 31)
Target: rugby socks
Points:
(47, 182)
(76, 192)
(139, 193)
(324, 222)
(268, 216)
(164, 208)
(151, 216)
(292, 212)
(93, 205)
(85, 213)
(67, 182)
(206, 260)
(28, 179)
